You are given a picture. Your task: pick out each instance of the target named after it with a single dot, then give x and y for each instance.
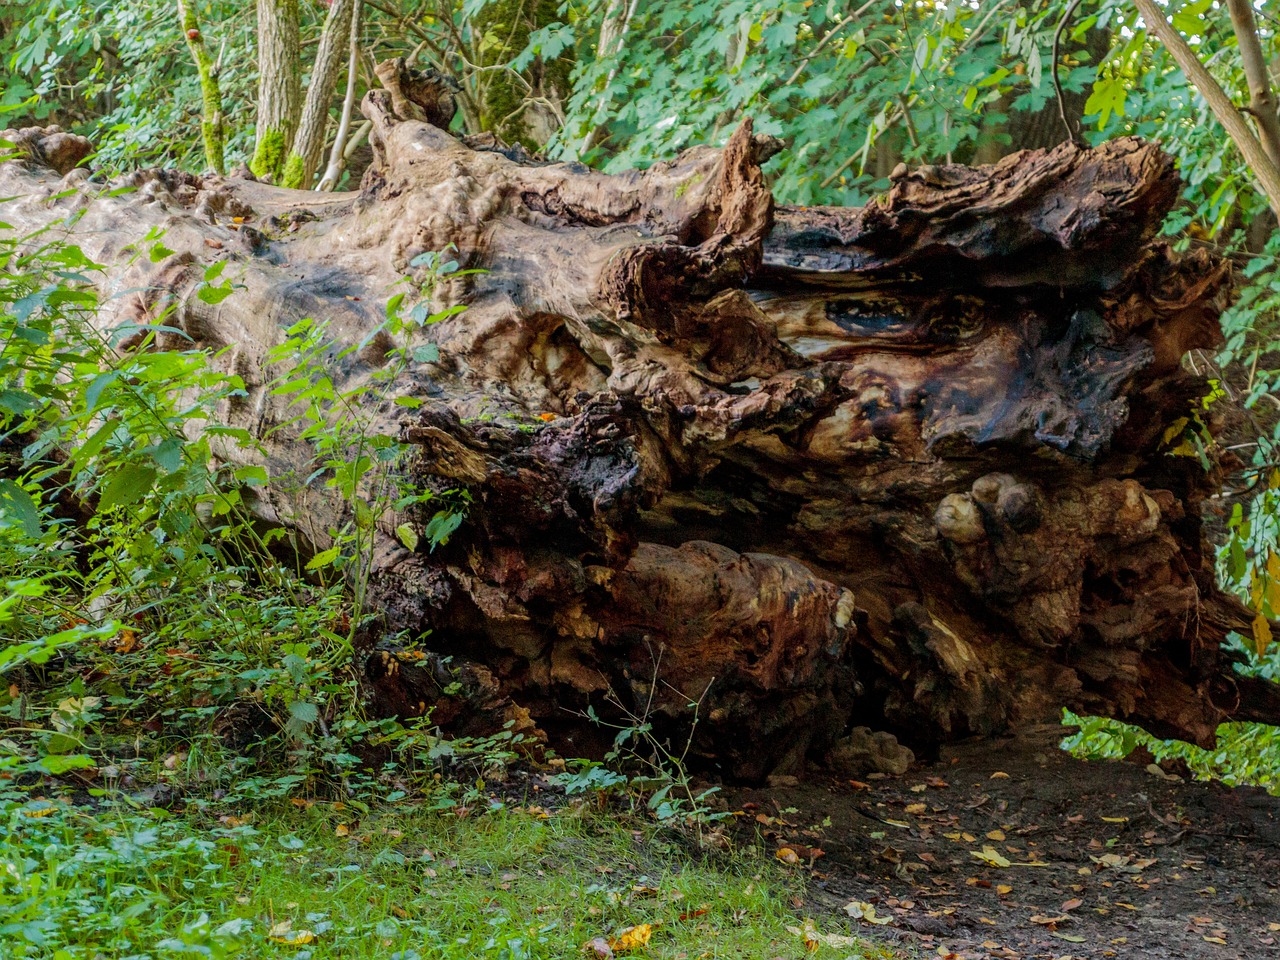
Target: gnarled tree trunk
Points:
(899, 466)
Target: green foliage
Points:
(136, 579)
(120, 73)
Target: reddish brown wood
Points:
(808, 468)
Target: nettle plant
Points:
(146, 627)
(364, 466)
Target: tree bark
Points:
(900, 466)
(308, 144)
(279, 85)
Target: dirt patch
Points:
(1014, 849)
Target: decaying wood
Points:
(900, 466)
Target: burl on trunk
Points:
(806, 468)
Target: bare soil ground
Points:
(1014, 849)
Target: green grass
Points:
(122, 882)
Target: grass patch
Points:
(311, 881)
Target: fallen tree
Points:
(903, 466)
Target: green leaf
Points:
(57, 765)
(304, 712)
(324, 558)
(442, 527)
(168, 454)
(252, 476)
(1107, 98)
(129, 484)
(20, 508)
(408, 536)
(89, 449)
(214, 295)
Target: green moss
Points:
(212, 130)
(294, 169)
(268, 155)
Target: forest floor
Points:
(1014, 849)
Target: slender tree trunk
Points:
(211, 127)
(1262, 102)
(279, 85)
(308, 145)
(902, 466)
(338, 155)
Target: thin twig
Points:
(1072, 135)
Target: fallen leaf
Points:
(787, 855)
(283, 932)
(1072, 904)
(1115, 819)
(598, 947)
(865, 911)
(341, 830)
(999, 775)
(991, 856)
(632, 938)
(1047, 921)
(1069, 937)
(916, 808)
(996, 835)
(1216, 940)
(813, 938)
(1004, 889)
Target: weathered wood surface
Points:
(899, 466)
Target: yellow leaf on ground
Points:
(787, 855)
(632, 938)
(991, 856)
(341, 830)
(865, 911)
(283, 932)
(999, 775)
(995, 835)
(916, 808)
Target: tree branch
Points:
(1264, 169)
(1262, 103)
